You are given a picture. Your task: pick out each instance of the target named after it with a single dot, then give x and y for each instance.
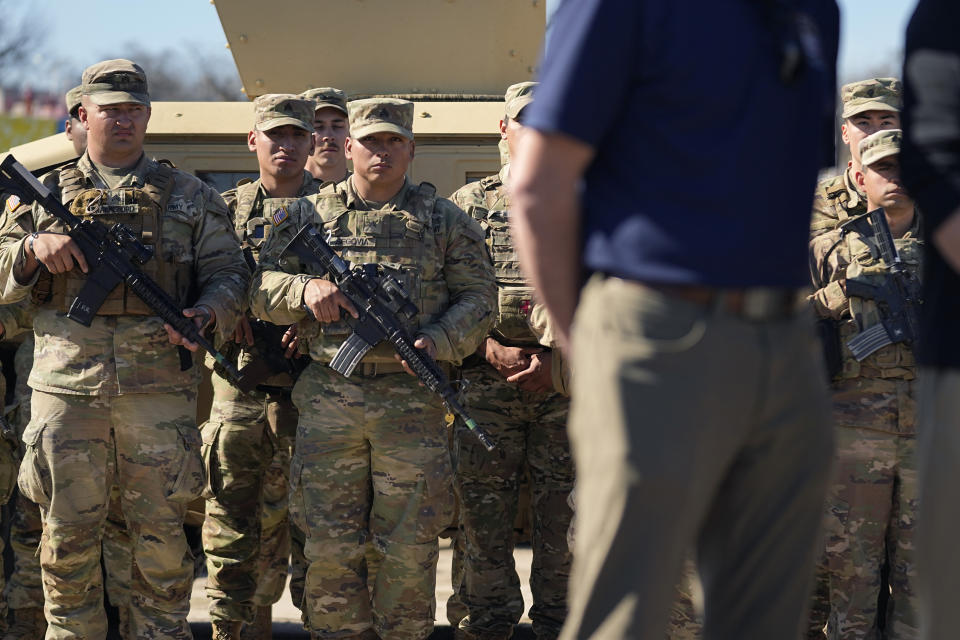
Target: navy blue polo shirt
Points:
(706, 162)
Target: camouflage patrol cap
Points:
(517, 97)
(327, 97)
(880, 94)
(277, 109)
(373, 115)
(114, 82)
(73, 101)
(880, 145)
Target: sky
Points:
(80, 34)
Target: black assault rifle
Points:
(114, 255)
(384, 309)
(898, 298)
(271, 357)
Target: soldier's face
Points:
(115, 129)
(882, 184)
(860, 125)
(76, 134)
(511, 131)
(381, 157)
(329, 136)
(282, 152)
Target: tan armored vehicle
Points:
(453, 58)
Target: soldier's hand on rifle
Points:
(243, 332)
(203, 317)
(507, 360)
(56, 251)
(422, 342)
(290, 341)
(538, 376)
(324, 300)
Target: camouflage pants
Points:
(275, 537)
(371, 463)
(871, 509)
(685, 622)
(531, 433)
(75, 447)
(239, 539)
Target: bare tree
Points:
(185, 74)
(19, 37)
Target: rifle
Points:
(898, 298)
(114, 255)
(384, 308)
(270, 357)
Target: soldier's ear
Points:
(252, 141)
(348, 148)
(859, 177)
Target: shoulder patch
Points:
(279, 216)
(12, 202)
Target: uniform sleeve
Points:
(14, 226)
(829, 267)
(220, 272)
(471, 287)
(16, 318)
(276, 292)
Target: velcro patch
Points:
(12, 202)
(279, 216)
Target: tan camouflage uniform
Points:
(530, 430)
(247, 548)
(835, 200)
(872, 504)
(110, 399)
(371, 460)
(839, 197)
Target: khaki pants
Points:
(938, 464)
(75, 447)
(691, 428)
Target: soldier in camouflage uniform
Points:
(872, 503)
(14, 320)
(24, 592)
(331, 126)
(328, 163)
(511, 391)
(246, 430)
(111, 400)
(371, 461)
(868, 106)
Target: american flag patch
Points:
(279, 216)
(12, 202)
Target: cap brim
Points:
(880, 154)
(379, 127)
(118, 97)
(321, 105)
(875, 105)
(515, 106)
(273, 123)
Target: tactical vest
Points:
(253, 230)
(407, 243)
(894, 360)
(514, 295)
(143, 211)
(839, 197)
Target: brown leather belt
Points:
(757, 304)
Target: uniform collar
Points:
(397, 202)
(853, 189)
(135, 178)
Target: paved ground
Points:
(286, 617)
